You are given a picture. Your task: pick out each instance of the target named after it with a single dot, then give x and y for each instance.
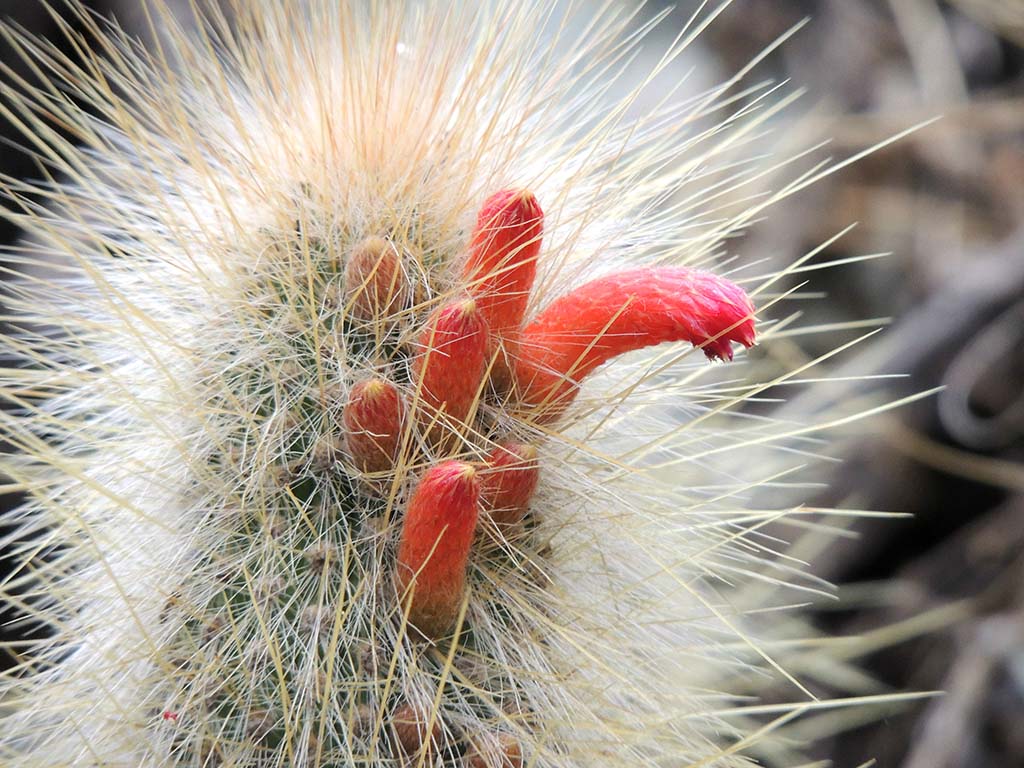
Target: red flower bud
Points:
(373, 418)
(507, 487)
(622, 312)
(375, 285)
(451, 363)
(433, 553)
(500, 271)
(502, 261)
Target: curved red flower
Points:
(619, 313)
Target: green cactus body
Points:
(305, 488)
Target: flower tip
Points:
(460, 317)
(526, 451)
(721, 348)
(455, 477)
(526, 202)
(516, 203)
(372, 388)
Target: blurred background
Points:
(947, 203)
(941, 591)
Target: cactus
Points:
(317, 415)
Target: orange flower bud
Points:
(508, 485)
(451, 362)
(373, 418)
(508, 754)
(409, 733)
(433, 553)
(375, 285)
(622, 312)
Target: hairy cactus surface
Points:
(320, 398)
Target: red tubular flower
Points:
(451, 362)
(502, 261)
(373, 420)
(508, 485)
(437, 533)
(501, 267)
(622, 312)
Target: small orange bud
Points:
(502, 262)
(375, 285)
(451, 362)
(507, 754)
(409, 733)
(373, 418)
(508, 485)
(437, 533)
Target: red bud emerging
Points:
(500, 271)
(622, 312)
(508, 485)
(375, 285)
(373, 418)
(451, 362)
(502, 261)
(437, 533)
